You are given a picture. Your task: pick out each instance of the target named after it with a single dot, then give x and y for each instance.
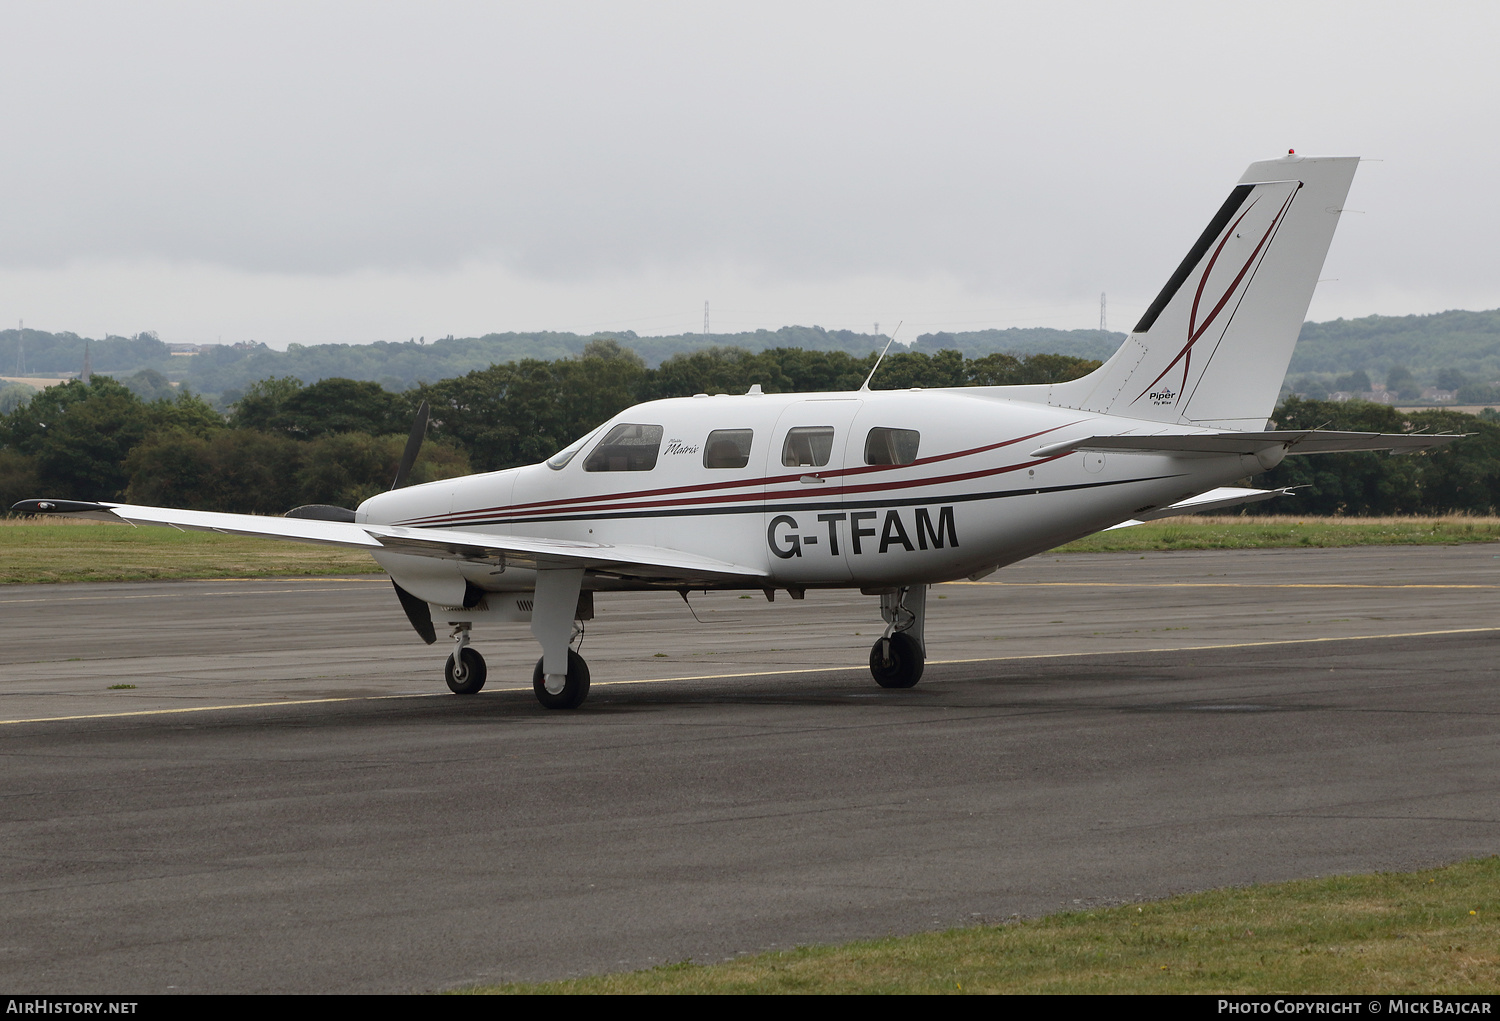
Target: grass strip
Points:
(72, 550)
(1395, 933)
(69, 549)
(1286, 531)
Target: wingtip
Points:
(57, 507)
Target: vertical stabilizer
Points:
(1214, 346)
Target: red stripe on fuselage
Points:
(606, 502)
(755, 501)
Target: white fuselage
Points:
(971, 500)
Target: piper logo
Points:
(1162, 396)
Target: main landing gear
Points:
(897, 659)
(561, 678)
(465, 672)
(562, 692)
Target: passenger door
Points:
(805, 524)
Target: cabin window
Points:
(807, 446)
(891, 446)
(626, 448)
(727, 448)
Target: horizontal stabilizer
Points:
(1293, 441)
(1215, 499)
(636, 561)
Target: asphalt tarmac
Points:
(288, 799)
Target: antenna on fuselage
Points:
(866, 384)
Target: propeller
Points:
(328, 512)
(417, 610)
(413, 446)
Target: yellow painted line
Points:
(777, 673)
(1227, 645)
(1067, 655)
(111, 598)
(1204, 584)
(212, 708)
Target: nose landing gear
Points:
(465, 670)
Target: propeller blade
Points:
(413, 445)
(418, 612)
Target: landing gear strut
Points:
(555, 608)
(465, 670)
(897, 659)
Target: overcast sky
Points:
(354, 171)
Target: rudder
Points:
(1214, 346)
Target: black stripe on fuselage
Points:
(784, 508)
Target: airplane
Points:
(885, 491)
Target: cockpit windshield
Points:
(560, 460)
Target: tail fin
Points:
(1214, 346)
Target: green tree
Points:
(347, 468)
(150, 385)
(332, 406)
(1451, 379)
(18, 479)
(260, 406)
(13, 395)
(1357, 381)
(1402, 383)
(1479, 393)
(325, 408)
(1004, 370)
(79, 434)
(609, 349)
(1462, 476)
(904, 369)
(236, 470)
(520, 413)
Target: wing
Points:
(443, 543)
(1306, 441)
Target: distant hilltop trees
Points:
(225, 371)
(1445, 357)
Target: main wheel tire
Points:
(575, 690)
(465, 677)
(904, 667)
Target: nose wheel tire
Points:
(901, 666)
(574, 691)
(466, 676)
